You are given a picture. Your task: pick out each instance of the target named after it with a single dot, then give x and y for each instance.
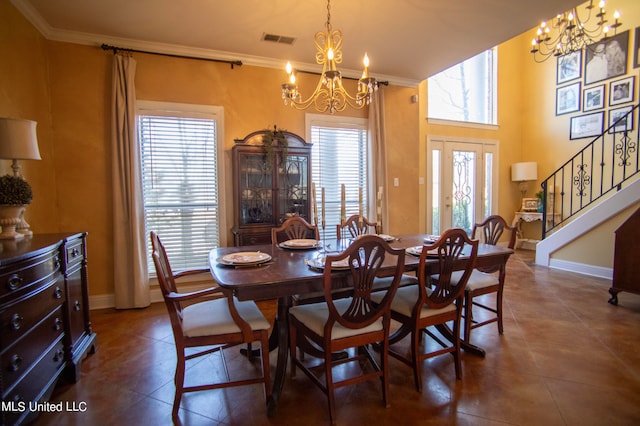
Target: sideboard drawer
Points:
(38, 384)
(19, 358)
(28, 274)
(74, 252)
(19, 318)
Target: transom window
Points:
(466, 92)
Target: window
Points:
(467, 91)
(339, 156)
(180, 153)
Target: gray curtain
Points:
(378, 157)
(130, 275)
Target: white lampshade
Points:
(18, 140)
(521, 172)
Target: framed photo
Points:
(593, 98)
(622, 121)
(586, 126)
(606, 58)
(636, 55)
(569, 67)
(621, 91)
(530, 204)
(568, 99)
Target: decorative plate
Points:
(245, 258)
(318, 263)
(417, 251)
(386, 237)
(431, 238)
(299, 244)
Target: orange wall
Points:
(67, 89)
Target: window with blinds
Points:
(179, 156)
(339, 156)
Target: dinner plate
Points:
(299, 244)
(245, 258)
(431, 238)
(417, 251)
(318, 263)
(386, 237)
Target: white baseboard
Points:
(581, 268)
(106, 301)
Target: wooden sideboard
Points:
(44, 315)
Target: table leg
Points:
(468, 347)
(282, 325)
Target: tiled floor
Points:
(567, 357)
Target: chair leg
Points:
(468, 310)
(415, 359)
(456, 351)
(179, 383)
(384, 359)
(293, 348)
(266, 365)
(330, 387)
(499, 311)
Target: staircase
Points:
(597, 183)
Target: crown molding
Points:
(98, 40)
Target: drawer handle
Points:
(14, 364)
(75, 252)
(76, 306)
(57, 293)
(57, 324)
(59, 355)
(15, 282)
(16, 321)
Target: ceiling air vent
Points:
(278, 38)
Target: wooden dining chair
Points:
(436, 301)
(352, 322)
(487, 280)
(200, 320)
(355, 228)
(294, 228)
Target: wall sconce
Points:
(522, 173)
(18, 141)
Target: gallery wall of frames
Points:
(598, 85)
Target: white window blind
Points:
(179, 157)
(339, 156)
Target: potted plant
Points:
(15, 194)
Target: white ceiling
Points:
(406, 40)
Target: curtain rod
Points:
(121, 49)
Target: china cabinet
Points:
(271, 180)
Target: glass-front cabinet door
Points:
(270, 185)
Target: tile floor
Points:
(567, 357)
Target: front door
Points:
(463, 178)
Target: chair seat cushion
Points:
(477, 280)
(315, 316)
(405, 299)
(213, 317)
(384, 282)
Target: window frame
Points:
(174, 109)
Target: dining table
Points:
(270, 271)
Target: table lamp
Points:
(18, 141)
(522, 173)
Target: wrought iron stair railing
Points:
(604, 165)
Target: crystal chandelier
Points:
(572, 33)
(330, 95)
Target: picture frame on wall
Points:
(606, 58)
(569, 67)
(621, 118)
(568, 99)
(621, 91)
(593, 98)
(636, 55)
(587, 125)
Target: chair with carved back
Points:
(355, 227)
(435, 301)
(487, 280)
(212, 320)
(347, 323)
(294, 228)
